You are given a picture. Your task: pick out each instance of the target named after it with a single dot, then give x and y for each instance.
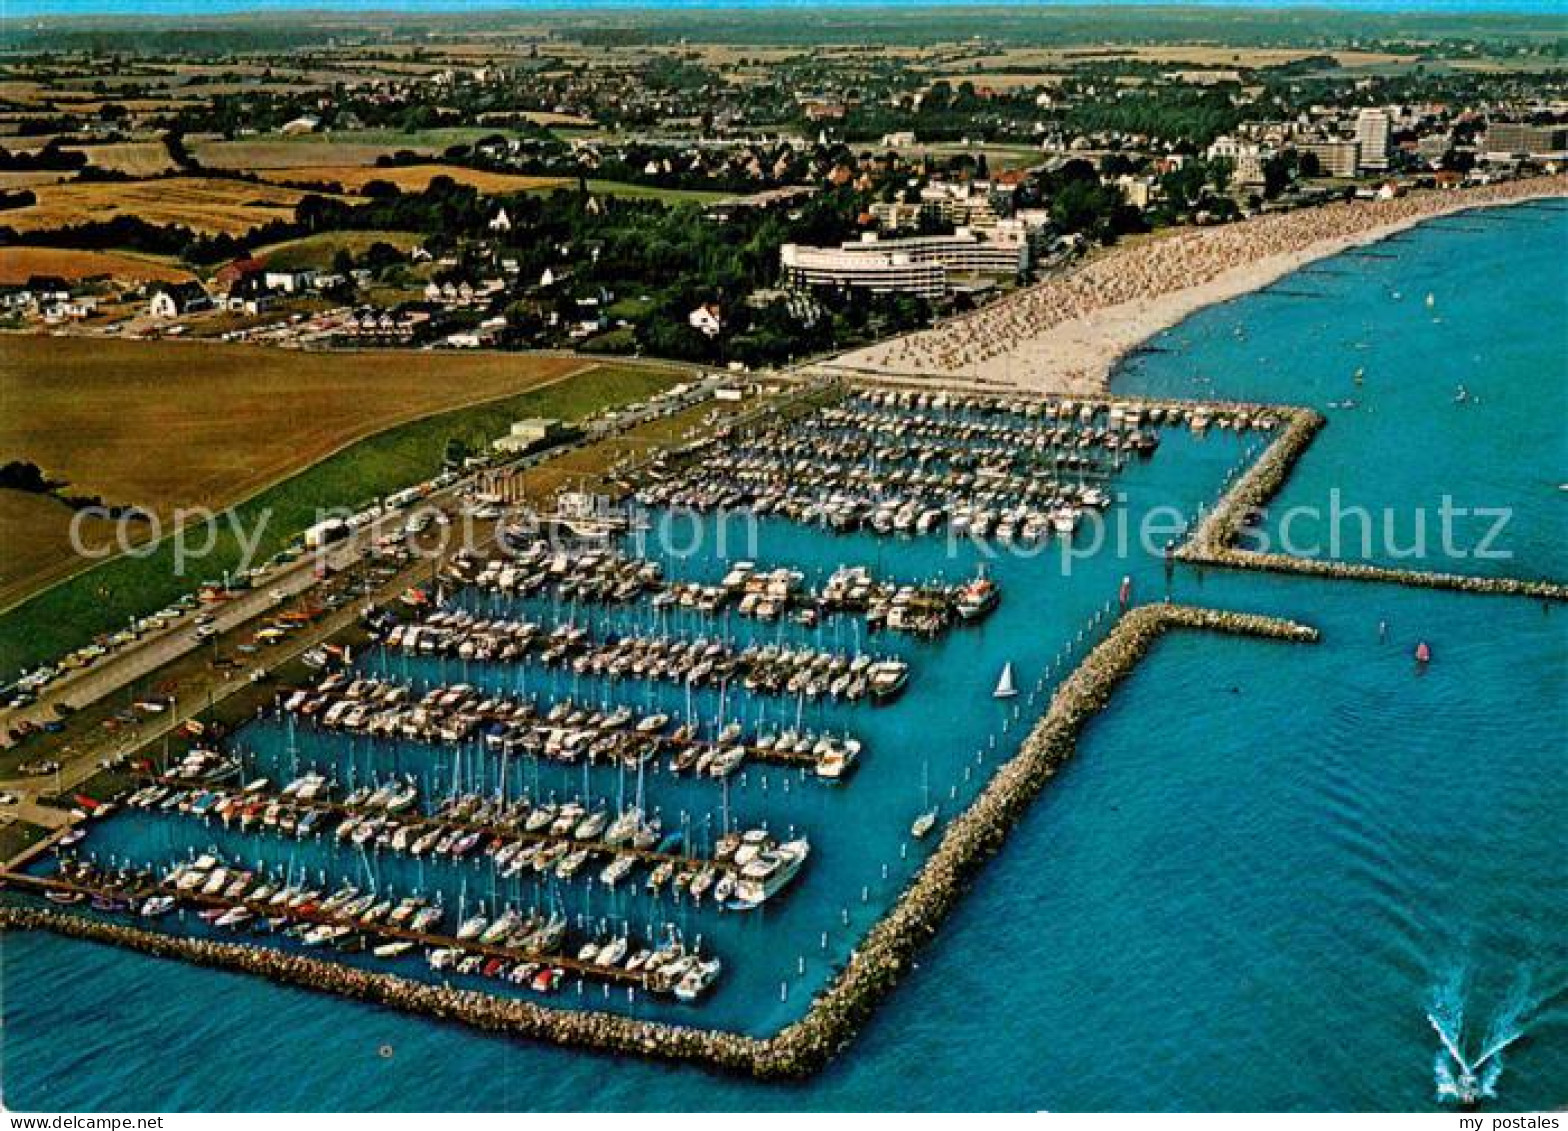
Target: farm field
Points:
(1000, 156)
(1196, 55)
(414, 178)
(103, 597)
(134, 158)
(269, 155)
(1001, 80)
(647, 192)
(551, 119)
(354, 147)
(409, 178)
(10, 181)
(201, 203)
(19, 264)
(154, 423)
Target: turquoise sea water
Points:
(1459, 331)
(1245, 892)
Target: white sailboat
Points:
(1006, 688)
(924, 823)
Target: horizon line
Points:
(82, 11)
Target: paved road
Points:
(115, 672)
(128, 664)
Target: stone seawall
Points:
(1214, 542)
(603, 1032)
(979, 832)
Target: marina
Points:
(877, 964)
(640, 743)
(906, 463)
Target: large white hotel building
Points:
(918, 265)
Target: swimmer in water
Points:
(1382, 632)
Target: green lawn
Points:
(17, 837)
(319, 250)
(103, 599)
(648, 192)
(630, 309)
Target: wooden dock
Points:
(663, 744)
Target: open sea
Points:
(1266, 872)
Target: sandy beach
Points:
(1067, 333)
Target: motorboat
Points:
(766, 874)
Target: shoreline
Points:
(1021, 343)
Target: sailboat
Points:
(1005, 687)
(924, 823)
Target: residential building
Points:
(291, 281)
(1435, 146)
(526, 435)
(1136, 191)
(1337, 157)
(171, 300)
(1508, 140)
(234, 273)
(966, 204)
(897, 216)
(1373, 127)
(1246, 159)
(706, 320)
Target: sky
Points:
(30, 9)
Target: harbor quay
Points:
(890, 949)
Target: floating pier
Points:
(924, 463)
(524, 730)
(423, 823)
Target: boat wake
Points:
(1466, 1078)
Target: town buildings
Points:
(1516, 140)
